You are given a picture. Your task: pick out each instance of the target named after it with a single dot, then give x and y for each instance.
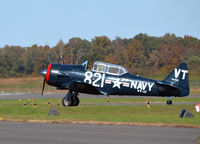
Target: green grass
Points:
(90, 110)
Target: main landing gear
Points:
(71, 99)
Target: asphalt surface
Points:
(36, 133)
(61, 95)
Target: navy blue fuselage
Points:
(79, 78)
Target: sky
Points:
(45, 22)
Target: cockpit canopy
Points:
(108, 68)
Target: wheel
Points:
(75, 101)
(169, 102)
(67, 101)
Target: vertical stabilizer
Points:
(179, 78)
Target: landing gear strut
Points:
(71, 99)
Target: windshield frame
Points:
(104, 67)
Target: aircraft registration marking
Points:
(178, 71)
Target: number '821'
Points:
(96, 79)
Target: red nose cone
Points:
(48, 73)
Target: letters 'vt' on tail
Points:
(176, 83)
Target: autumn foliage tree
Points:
(100, 47)
(132, 56)
(142, 54)
(166, 55)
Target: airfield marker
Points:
(24, 103)
(49, 103)
(147, 103)
(34, 105)
(107, 99)
(197, 107)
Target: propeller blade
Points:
(44, 81)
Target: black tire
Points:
(67, 100)
(169, 102)
(76, 101)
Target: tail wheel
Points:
(169, 102)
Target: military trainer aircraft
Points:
(110, 79)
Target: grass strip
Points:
(156, 114)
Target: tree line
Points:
(142, 54)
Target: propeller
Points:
(43, 86)
(43, 72)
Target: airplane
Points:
(111, 79)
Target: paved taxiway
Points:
(61, 95)
(36, 133)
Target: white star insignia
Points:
(117, 83)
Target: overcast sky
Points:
(42, 22)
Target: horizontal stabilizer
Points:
(162, 83)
